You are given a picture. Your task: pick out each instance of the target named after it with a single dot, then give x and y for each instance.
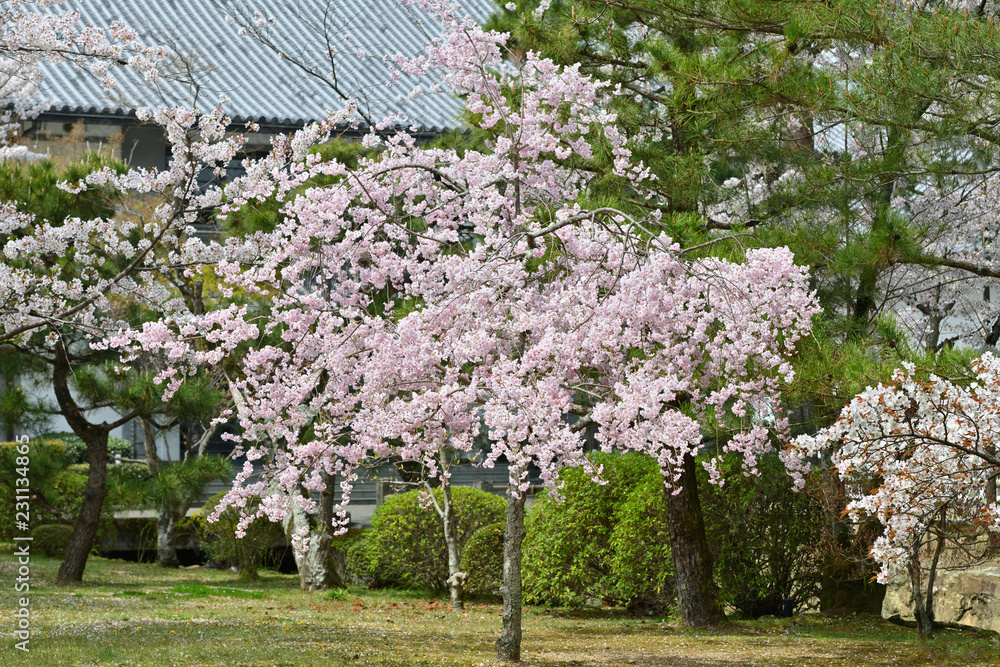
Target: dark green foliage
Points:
(174, 484)
(404, 547)
(76, 450)
(35, 184)
(51, 539)
(219, 541)
(735, 90)
(609, 542)
(56, 484)
(20, 411)
(49, 481)
(126, 475)
(482, 560)
(764, 537)
(569, 551)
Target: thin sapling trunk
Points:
(509, 644)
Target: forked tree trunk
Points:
(509, 644)
(921, 614)
(697, 599)
(446, 511)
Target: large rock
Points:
(966, 597)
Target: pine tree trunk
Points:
(85, 528)
(509, 644)
(166, 537)
(697, 599)
(96, 439)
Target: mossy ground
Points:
(137, 614)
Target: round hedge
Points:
(51, 539)
(609, 541)
(764, 536)
(404, 547)
(482, 560)
(569, 550)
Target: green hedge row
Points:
(608, 543)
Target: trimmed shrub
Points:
(51, 539)
(642, 565)
(404, 547)
(482, 560)
(223, 548)
(568, 550)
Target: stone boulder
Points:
(968, 597)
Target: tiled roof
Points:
(259, 85)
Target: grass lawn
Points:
(135, 614)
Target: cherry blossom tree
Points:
(53, 298)
(431, 291)
(926, 447)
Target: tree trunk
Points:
(923, 617)
(324, 523)
(697, 599)
(7, 387)
(85, 528)
(315, 563)
(446, 511)
(166, 536)
(456, 578)
(167, 518)
(96, 438)
(509, 644)
(923, 603)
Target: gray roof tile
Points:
(258, 84)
